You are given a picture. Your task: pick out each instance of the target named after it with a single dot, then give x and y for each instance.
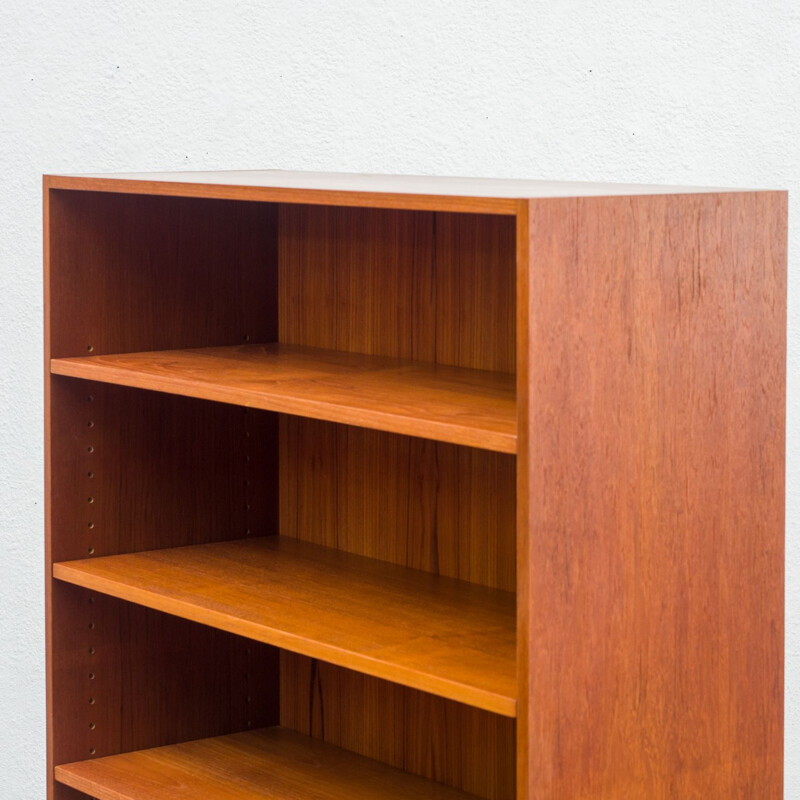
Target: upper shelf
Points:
(448, 404)
(423, 192)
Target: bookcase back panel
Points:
(430, 286)
(130, 273)
(427, 505)
(62, 792)
(448, 742)
(125, 678)
(135, 470)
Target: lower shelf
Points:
(260, 765)
(446, 637)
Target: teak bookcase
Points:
(393, 488)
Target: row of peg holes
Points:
(92, 651)
(90, 450)
(91, 550)
(247, 461)
(248, 698)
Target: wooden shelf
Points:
(451, 638)
(449, 404)
(268, 764)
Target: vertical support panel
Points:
(651, 487)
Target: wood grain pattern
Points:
(475, 291)
(127, 678)
(448, 637)
(269, 764)
(651, 542)
(464, 747)
(183, 480)
(127, 273)
(357, 280)
(436, 288)
(426, 505)
(469, 407)
(132, 273)
(432, 287)
(141, 470)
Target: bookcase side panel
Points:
(129, 470)
(651, 534)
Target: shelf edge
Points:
(467, 436)
(441, 687)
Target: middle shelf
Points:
(447, 637)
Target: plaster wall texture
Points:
(702, 93)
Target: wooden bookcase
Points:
(390, 487)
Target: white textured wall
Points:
(692, 92)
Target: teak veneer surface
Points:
(647, 434)
(130, 678)
(426, 505)
(462, 746)
(651, 497)
(433, 287)
(450, 404)
(128, 470)
(443, 636)
(268, 764)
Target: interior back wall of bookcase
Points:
(432, 287)
(136, 272)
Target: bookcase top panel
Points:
(487, 195)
